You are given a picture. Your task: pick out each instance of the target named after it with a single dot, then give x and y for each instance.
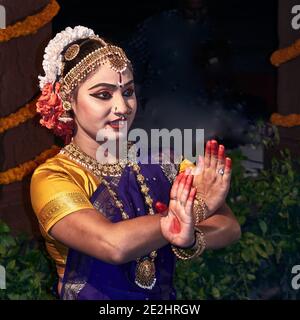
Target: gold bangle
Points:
(185, 254)
(200, 209)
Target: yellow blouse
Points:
(59, 187)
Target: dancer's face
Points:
(102, 99)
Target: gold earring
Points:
(67, 105)
(66, 116)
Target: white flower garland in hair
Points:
(52, 63)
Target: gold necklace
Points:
(98, 169)
(145, 273)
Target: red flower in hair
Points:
(49, 105)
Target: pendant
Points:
(145, 273)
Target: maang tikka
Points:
(107, 53)
(114, 55)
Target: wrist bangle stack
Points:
(197, 250)
(200, 209)
(193, 245)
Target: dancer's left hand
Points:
(212, 176)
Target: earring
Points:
(66, 116)
(67, 105)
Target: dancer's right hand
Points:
(177, 225)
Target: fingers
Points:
(207, 154)
(221, 155)
(190, 201)
(173, 192)
(182, 184)
(185, 200)
(183, 196)
(227, 171)
(181, 188)
(221, 160)
(214, 154)
(200, 166)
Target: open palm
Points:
(177, 225)
(212, 176)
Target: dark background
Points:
(249, 27)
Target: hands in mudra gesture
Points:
(212, 176)
(177, 225)
(211, 180)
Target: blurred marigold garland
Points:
(286, 54)
(279, 57)
(24, 169)
(288, 121)
(31, 24)
(13, 120)
(22, 115)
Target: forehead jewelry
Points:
(72, 52)
(114, 55)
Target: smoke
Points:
(229, 125)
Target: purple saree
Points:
(87, 278)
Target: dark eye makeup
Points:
(106, 95)
(103, 95)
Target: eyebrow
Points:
(109, 85)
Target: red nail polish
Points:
(221, 152)
(214, 147)
(207, 148)
(228, 163)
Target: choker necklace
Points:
(145, 272)
(95, 167)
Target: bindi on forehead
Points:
(106, 77)
(106, 74)
(120, 82)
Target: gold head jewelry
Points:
(108, 53)
(67, 105)
(72, 52)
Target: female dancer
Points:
(115, 229)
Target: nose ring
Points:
(127, 107)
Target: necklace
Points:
(98, 169)
(145, 273)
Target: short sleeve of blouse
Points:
(54, 195)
